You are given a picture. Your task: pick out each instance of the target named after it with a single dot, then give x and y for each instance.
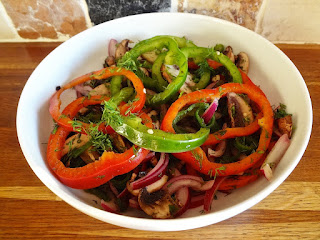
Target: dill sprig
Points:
(99, 140)
(203, 68)
(128, 62)
(110, 114)
(77, 126)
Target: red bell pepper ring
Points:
(237, 131)
(192, 65)
(197, 157)
(238, 181)
(109, 165)
(93, 174)
(74, 107)
(248, 81)
(104, 73)
(213, 64)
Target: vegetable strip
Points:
(197, 158)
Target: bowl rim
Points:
(166, 224)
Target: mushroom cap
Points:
(157, 204)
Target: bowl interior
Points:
(269, 68)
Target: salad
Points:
(164, 125)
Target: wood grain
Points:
(31, 211)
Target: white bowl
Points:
(270, 68)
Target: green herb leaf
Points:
(281, 111)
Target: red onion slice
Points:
(221, 147)
(155, 174)
(123, 193)
(208, 114)
(112, 47)
(182, 196)
(113, 188)
(275, 156)
(133, 203)
(276, 131)
(206, 186)
(209, 195)
(196, 201)
(109, 206)
(149, 156)
(176, 183)
(219, 151)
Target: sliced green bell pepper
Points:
(173, 56)
(152, 139)
(201, 53)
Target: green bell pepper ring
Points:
(204, 53)
(204, 81)
(173, 56)
(123, 95)
(156, 72)
(115, 85)
(188, 111)
(151, 139)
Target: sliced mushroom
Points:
(102, 89)
(157, 204)
(285, 125)
(243, 62)
(150, 56)
(239, 111)
(89, 156)
(75, 141)
(215, 78)
(157, 185)
(168, 71)
(229, 53)
(110, 61)
(122, 48)
(117, 142)
(145, 71)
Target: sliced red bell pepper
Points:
(247, 177)
(93, 174)
(65, 120)
(197, 158)
(192, 65)
(109, 165)
(226, 133)
(247, 80)
(213, 64)
(104, 73)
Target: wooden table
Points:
(31, 211)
